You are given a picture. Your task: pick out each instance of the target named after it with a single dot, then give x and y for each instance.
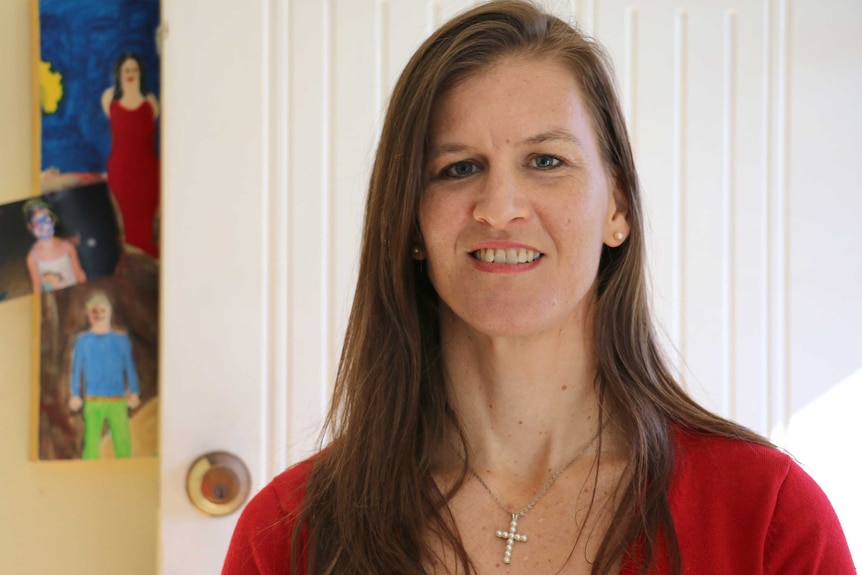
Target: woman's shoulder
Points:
(746, 472)
(288, 487)
(755, 500)
(704, 450)
(281, 498)
(263, 535)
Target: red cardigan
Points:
(738, 509)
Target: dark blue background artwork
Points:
(81, 39)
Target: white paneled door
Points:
(744, 118)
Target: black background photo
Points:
(84, 211)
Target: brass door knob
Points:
(218, 483)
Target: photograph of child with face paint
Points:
(52, 262)
(57, 240)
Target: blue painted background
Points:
(82, 39)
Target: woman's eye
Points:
(460, 169)
(544, 162)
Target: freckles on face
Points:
(516, 199)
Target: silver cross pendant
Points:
(511, 536)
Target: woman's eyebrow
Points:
(442, 149)
(547, 136)
(552, 135)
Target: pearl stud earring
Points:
(619, 236)
(418, 254)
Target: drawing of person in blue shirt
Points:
(102, 361)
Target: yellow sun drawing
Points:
(50, 87)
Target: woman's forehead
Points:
(520, 96)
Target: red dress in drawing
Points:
(133, 172)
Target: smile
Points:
(506, 256)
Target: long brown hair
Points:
(371, 502)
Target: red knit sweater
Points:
(738, 509)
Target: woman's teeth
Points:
(507, 256)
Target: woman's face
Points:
(517, 201)
(42, 224)
(130, 73)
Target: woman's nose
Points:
(501, 200)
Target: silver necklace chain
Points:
(544, 489)
(511, 535)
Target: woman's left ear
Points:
(617, 225)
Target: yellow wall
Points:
(94, 518)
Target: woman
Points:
(133, 168)
(502, 402)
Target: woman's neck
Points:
(525, 404)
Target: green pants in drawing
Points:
(116, 413)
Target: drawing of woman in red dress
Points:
(133, 167)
